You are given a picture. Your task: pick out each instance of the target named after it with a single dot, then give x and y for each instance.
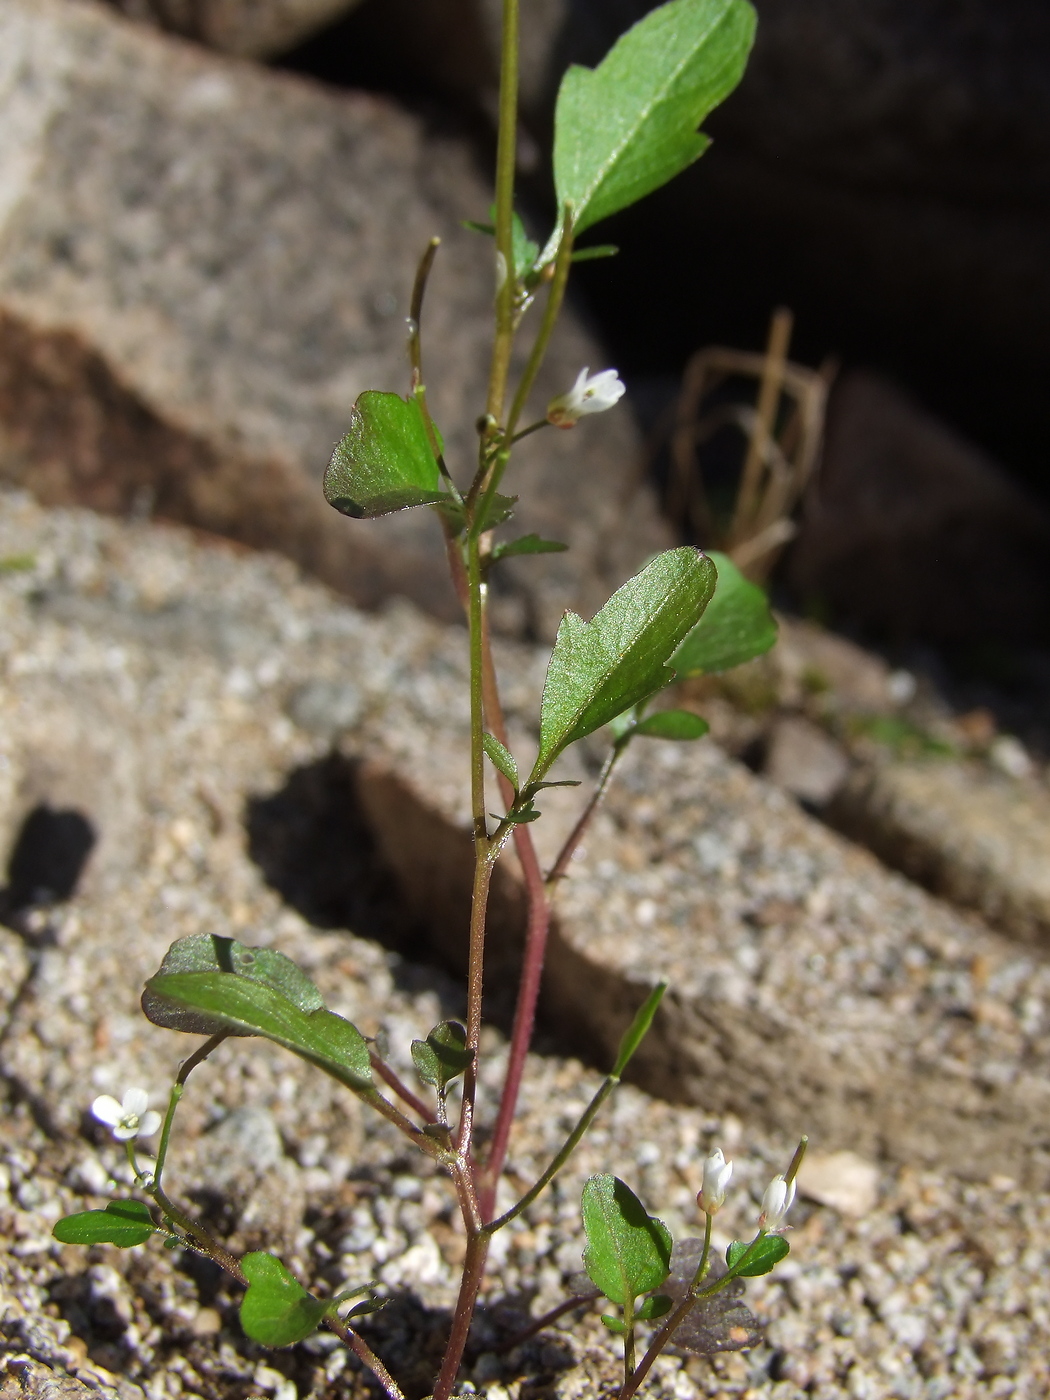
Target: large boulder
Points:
(912, 531)
(195, 708)
(250, 28)
(202, 264)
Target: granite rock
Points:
(249, 28)
(809, 986)
(811, 990)
(204, 263)
(979, 837)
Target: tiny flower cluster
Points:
(592, 393)
(776, 1201)
(131, 1119)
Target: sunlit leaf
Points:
(208, 952)
(502, 759)
(638, 1029)
(628, 1251)
(655, 1306)
(600, 668)
(242, 1007)
(123, 1223)
(385, 462)
(443, 1056)
(736, 626)
(767, 1254)
(277, 1310)
(682, 725)
(528, 544)
(625, 128)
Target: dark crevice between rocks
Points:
(73, 434)
(348, 845)
(44, 868)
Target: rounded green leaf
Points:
(625, 128)
(599, 669)
(767, 1253)
(672, 724)
(628, 1251)
(242, 1006)
(385, 462)
(443, 1056)
(207, 952)
(657, 1305)
(277, 1310)
(123, 1223)
(736, 626)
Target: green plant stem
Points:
(588, 1116)
(693, 1295)
(506, 152)
(555, 297)
(628, 1338)
(199, 1235)
(548, 1318)
(533, 956)
(575, 836)
(365, 1355)
(415, 357)
(403, 1092)
(185, 1070)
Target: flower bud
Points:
(592, 393)
(776, 1203)
(717, 1172)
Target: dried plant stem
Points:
(768, 398)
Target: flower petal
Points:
(149, 1123)
(124, 1132)
(136, 1101)
(107, 1110)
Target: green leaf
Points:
(628, 1251)
(524, 250)
(655, 1306)
(638, 1029)
(528, 544)
(443, 1056)
(502, 759)
(625, 128)
(768, 1253)
(123, 1223)
(498, 511)
(600, 250)
(207, 952)
(600, 668)
(615, 1324)
(737, 625)
(672, 724)
(277, 1310)
(241, 1006)
(385, 462)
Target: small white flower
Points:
(776, 1203)
(592, 393)
(131, 1119)
(717, 1172)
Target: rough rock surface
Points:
(914, 532)
(979, 837)
(151, 681)
(249, 28)
(202, 264)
